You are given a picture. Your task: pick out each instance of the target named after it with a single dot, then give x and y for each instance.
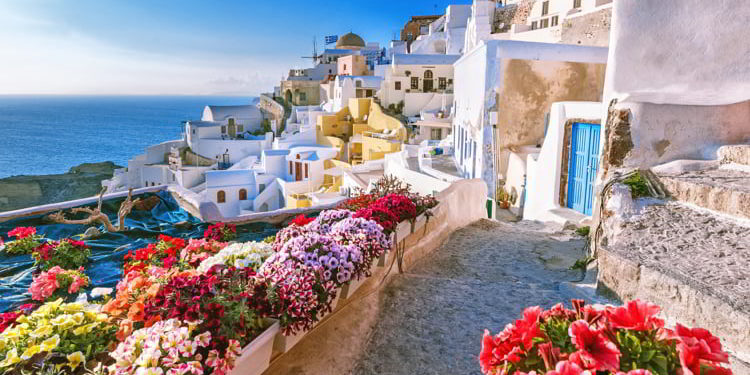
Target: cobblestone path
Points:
(433, 317)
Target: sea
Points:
(49, 134)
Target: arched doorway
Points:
(243, 194)
(288, 97)
(221, 196)
(428, 82)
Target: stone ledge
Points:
(722, 190)
(739, 154)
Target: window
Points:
(534, 26)
(423, 30)
(243, 194)
(428, 74)
(409, 36)
(545, 8)
(344, 67)
(368, 93)
(358, 83)
(291, 171)
(223, 129)
(240, 128)
(398, 85)
(306, 167)
(576, 3)
(555, 20)
(302, 97)
(415, 83)
(435, 134)
(544, 23)
(193, 131)
(442, 83)
(221, 196)
(174, 177)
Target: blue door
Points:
(584, 161)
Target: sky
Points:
(179, 47)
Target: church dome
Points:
(350, 40)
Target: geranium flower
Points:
(636, 315)
(635, 372)
(568, 368)
(595, 350)
(697, 347)
(22, 232)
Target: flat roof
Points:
(419, 59)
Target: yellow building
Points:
(361, 131)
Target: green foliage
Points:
(583, 231)
(637, 185)
(641, 350)
(582, 263)
(65, 255)
(23, 246)
(557, 332)
(266, 126)
(270, 239)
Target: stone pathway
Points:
(433, 317)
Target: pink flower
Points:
(596, 351)
(698, 347)
(78, 282)
(568, 368)
(637, 315)
(635, 372)
(44, 285)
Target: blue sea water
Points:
(50, 134)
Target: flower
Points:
(67, 254)
(637, 315)
(75, 359)
(56, 283)
(568, 368)
(595, 350)
(301, 220)
(221, 232)
(698, 347)
(26, 241)
(239, 255)
(22, 232)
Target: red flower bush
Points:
(301, 220)
(626, 340)
(379, 214)
(164, 253)
(399, 205)
(26, 240)
(357, 203)
(221, 232)
(67, 254)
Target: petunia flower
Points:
(595, 350)
(636, 315)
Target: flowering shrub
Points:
(322, 223)
(324, 256)
(26, 240)
(294, 293)
(67, 254)
(604, 340)
(198, 250)
(172, 347)
(357, 203)
(132, 292)
(365, 235)
(379, 214)
(57, 283)
(221, 232)
(162, 253)
(240, 255)
(423, 202)
(399, 205)
(64, 331)
(301, 220)
(287, 234)
(222, 301)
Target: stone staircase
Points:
(691, 253)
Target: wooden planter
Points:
(256, 356)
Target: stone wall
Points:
(591, 29)
(335, 345)
(272, 110)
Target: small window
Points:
(174, 177)
(358, 83)
(554, 21)
(193, 131)
(544, 23)
(223, 129)
(428, 74)
(306, 168)
(442, 83)
(291, 171)
(576, 3)
(243, 194)
(435, 134)
(534, 25)
(409, 37)
(415, 83)
(545, 8)
(344, 67)
(398, 85)
(302, 97)
(221, 196)
(423, 30)
(368, 93)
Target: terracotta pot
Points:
(503, 205)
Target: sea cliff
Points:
(81, 181)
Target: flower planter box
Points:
(283, 343)
(403, 230)
(419, 223)
(385, 259)
(256, 356)
(349, 288)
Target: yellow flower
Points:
(30, 351)
(60, 320)
(78, 318)
(3, 343)
(11, 358)
(51, 343)
(75, 359)
(72, 307)
(11, 334)
(84, 329)
(41, 331)
(22, 319)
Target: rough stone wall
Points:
(588, 30)
(528, 90)
(272, 110)
(310, 88)
(617, 140)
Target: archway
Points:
(288, 97)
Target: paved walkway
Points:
(433, 317)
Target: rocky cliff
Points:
(80, 182)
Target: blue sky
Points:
(192, 47)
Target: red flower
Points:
(567, 368)
(301, 220)
(637, 315)
(596, 351)
(22, 232)
(698, 346)
(636, 372)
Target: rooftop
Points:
(414, 59)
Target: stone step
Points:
(739, 154)
(693, 263)
(720, 189)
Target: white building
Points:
(348, 87)
(417, 83)
(446, 35)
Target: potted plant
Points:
(503, 199)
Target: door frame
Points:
(589, 154)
